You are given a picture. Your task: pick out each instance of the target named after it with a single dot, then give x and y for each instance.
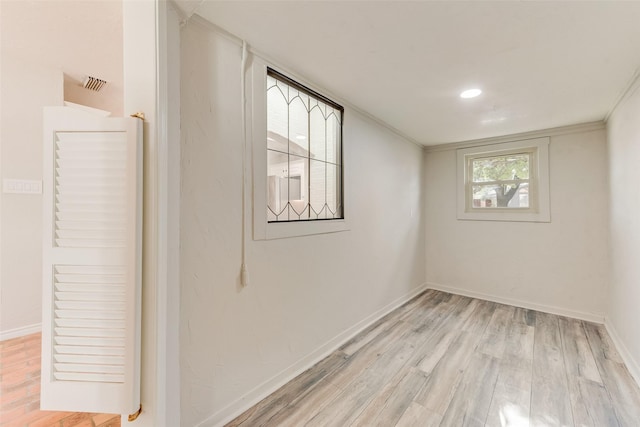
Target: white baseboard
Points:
(254, 396)
(590, 317)
(632, 364)
(20, 332)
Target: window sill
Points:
(284, 230)
(505, 216)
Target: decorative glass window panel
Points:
(304, 153)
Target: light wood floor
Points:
(20, 390)
(447, 360)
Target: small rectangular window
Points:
(304, 153)
(504, 182)
(500, 182)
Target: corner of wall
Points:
(632, 365)
(559, 311)
(630, 88)
(624, 242)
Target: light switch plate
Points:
(22, 186)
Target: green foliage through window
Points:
(501, 168)
(502, 181)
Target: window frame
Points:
(276, 75)
(532, 181)
(539, 207)
(257, 128)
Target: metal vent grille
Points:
(94, 83)
(89, 323)
(90, 190)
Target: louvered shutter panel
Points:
(92, 204)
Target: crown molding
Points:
(562, 130)
(631, 87)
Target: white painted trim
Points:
(539, 199)
(184, 8)
(20, 332)
(632, 86)
(581, 315)
(257, 122)
(632, 364)
(562, 130)
(162, 195)
(168, 214)
(263, 390)
(141, 27)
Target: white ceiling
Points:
(539, 64)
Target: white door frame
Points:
(146, 40)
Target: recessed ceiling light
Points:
(301, 137)
(471, 93)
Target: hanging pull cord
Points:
(244, 271)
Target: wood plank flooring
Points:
(20, 390)
(448, 360)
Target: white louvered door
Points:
(92, 204)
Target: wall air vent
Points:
(94, 83)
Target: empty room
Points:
(337, 213)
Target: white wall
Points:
(624, 176)
(561, 266)
(39, 42)
(305, 291)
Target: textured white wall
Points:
(304, 291)
(624, 200)
(559, 265)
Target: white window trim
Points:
(532, 181)
(262, 229)
(540, 206)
